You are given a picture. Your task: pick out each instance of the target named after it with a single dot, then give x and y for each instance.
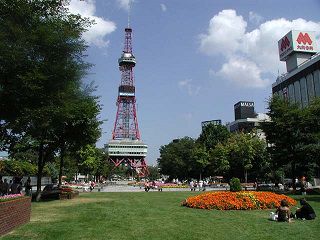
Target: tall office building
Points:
(301, 83)
(244, 109)
(246, 119)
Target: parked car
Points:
(51, 191)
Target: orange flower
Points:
(243, 200)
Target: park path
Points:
(128, 188)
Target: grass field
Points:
(154, 215)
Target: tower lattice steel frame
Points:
(126, 124)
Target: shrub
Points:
(235, 185)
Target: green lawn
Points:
(154, 215)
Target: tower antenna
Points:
(129, 8)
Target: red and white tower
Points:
(126, 146)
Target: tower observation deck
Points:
(126, 147)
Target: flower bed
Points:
(243, 200)
(10, 197)
(14, 211)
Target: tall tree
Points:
(200, 159)
(41, 59)
(212, 134)
(76, 125)
(241, 154)
(176, 158)
(219, 160)
(293, 135)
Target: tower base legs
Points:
(139, 165)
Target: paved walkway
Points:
(127, 188)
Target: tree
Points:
(153, 173)
(41, 60)
(76, 125)
(312, 149)
(104, 166)
(212, 134)
(200, 159)
(176, 158)
(293, 136)
(240, 154)
(88, 160)
(219, 160)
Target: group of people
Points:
(201, 184)
(304, 212)
(153, 185)
(14, 186)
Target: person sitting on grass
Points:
(306, 211)
(283, 211)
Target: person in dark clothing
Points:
(306, 211)
(283, 211)
(16, 186)
(2, 187)
(28, 187)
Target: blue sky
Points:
(195, 58)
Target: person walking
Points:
(200, 185)
(191, 185)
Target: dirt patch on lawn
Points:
(81, 200)
(53, 210)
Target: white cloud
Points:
(224, 35)
(125, 4)
(256, 50)
(242, 72)
(97, 32)
(192, 90)
(255, 18)
(163, 7)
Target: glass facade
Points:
(316, 81)
(297, 92)
(291, 93)
(310, 87)
(303, 90)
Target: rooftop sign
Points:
(244, 104)
(296, 41)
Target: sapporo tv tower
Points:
(126, 146)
